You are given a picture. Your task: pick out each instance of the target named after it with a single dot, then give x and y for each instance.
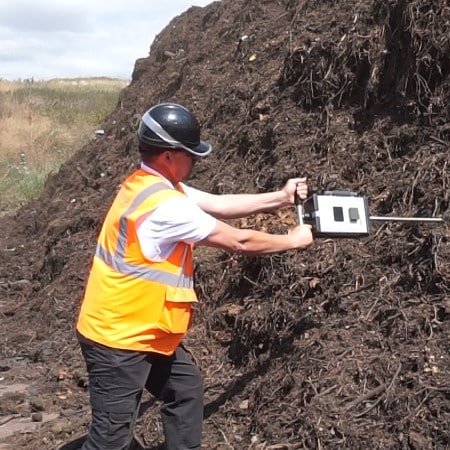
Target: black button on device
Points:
(338, 213)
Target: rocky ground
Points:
(342, 346)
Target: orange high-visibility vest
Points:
(130, 302)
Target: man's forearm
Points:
(252, 242)
(233, 206)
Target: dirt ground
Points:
(343, 346)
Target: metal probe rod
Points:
(407, 219)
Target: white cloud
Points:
(45, 16)
(71, 38)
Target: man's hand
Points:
(302, 235)
(294, 185)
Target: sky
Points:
(45, 39)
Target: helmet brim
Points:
(202, 149)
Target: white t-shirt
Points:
(176, 219)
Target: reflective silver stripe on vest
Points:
(145, 273)
(117, 259)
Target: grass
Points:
(44, 123)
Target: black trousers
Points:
(116, 382)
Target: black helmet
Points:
(169, 125)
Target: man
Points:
(137, 304)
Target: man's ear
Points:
(167, 156)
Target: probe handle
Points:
(299, 208)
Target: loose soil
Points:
(343, 346)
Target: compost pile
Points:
(344, 345)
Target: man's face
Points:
(184, 164)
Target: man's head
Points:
(169, 139)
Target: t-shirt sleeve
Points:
(176, 219)
(193, 194)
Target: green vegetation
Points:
(42, 124)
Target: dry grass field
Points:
(42, 123)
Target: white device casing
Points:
(338, 214)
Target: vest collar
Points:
(152, 171)
(148, 169)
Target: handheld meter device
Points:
(344, 214)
